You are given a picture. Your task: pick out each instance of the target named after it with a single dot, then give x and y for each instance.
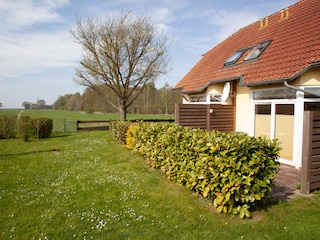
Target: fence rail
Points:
(104, 124)
(103, 127)
(310, 172)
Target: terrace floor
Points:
(286, 183)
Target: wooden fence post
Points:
(208, 117)
(177, 113)
(306, 152)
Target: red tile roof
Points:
(295, 47)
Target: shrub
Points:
(118, 130)
(236, 170)
(130, 135)
(41, 127)
(24, 128)
(8, 126)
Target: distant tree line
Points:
(41, 104)
(150, 101)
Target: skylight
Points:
(257, 51)
(234, 58)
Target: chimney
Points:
(285, 14)
(264, 23)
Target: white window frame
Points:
(298, 103)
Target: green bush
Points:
(41, 127)
(118, 130)
(24, 128)
(8, 126)
(236, 170)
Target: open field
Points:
(65, 121)
(84, 185)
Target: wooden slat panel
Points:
(315, 151)
(315, 144)
(306, 154)
(315, 159)
(311, 152)
(191, 117)
(316, 131)
(314, 185)
(220, 117)
(194, 123)
(316, 115)
(314, 179)
(315, 137)
(315, 164)
(316, 124)
(315, 172)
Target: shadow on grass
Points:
(280, 194)
(59, 135)
(30, 152)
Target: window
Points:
(257, 51)
(285, 109)
(312, 106)
(205, 98)
(263, 109)
(276, 93)
(234, 58)
(198, 98)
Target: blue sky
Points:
(38, 54)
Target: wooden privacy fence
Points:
(206, 116)
(310, 171)
(104, 124)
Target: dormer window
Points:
(257, 51)
(234, 58)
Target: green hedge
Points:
(236, 170)
(41, 126)
(118, 130)
(24, 128)
(8, 126)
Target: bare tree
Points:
(122, 52)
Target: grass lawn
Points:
(86, 186)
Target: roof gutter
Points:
(209, 83)
(286, 84)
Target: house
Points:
(266, 75)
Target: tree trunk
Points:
(123, 112)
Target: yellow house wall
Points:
(242, 109)
(184, 101)
(215, 89)
(309, 78)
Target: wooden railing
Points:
(91, 122)
(310, 171)
(104, 124)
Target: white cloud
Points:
(161, 14)
(229, 21)
(24, 52)
(21, 13)
(34, 52)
